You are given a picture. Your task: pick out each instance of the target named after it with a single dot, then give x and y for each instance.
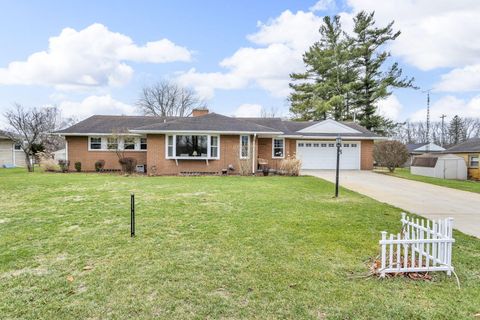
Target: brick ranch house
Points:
(210, 142)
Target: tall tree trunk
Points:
(28, 162)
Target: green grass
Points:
(208, 247)
(472, 186)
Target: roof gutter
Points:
(203, 131)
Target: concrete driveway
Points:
(425, 199)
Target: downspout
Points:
(253, 153)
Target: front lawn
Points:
(208, 247)
(472, 186)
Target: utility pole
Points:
(443, 116)
(428, 119)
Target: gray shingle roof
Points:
(412, 146)
(110, 124)
(102, 124)
(471, 145)
(208, 122)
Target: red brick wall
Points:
(78, 151)
(265, 151)
(366, 157)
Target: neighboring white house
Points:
(10, 154)
(444, 166)
(60, 154)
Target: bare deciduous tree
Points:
(269, 113)
(390, 154)
(31, 127)
(168, 99)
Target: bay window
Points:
(244, 147)
(192, 146)
(278, 147)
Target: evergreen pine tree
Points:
(324, 90)
(456, 130)
(374, 83)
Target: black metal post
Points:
(337, 171)
(132, 215)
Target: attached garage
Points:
(322, 154)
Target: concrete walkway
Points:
(425, 199)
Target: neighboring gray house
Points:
(10, 153)
(415, 149)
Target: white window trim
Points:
(104, 143)
(273, 148)
(209, 149)
(248, 146)
(470, 156)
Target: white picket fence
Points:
(424, 245)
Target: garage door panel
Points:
(323, 155)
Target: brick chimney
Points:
(197, 112)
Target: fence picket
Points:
(432, 240)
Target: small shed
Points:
(444, 166)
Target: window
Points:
(324, 145)
(244, 147)
(331, 145)
(17, 146)
(214, 146)
(316, 145)
(278, 147)
(308, 145)
(129, 143)
(353, 145)
(143, 143)
(346, 145)
(300, 144)
(95, 143)
(473, 161)
(191, 146)
(170, 147)
(112, 143)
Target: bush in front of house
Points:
(99, 165)
(390, 154)
(46, 162)
(63, 164)
(78, 166)
(290, 166)
(128, 164)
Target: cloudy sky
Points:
(93, 57)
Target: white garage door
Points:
(323, 155)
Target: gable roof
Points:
(471, 145)
(213, 122)
(210, 122)
(422, 147)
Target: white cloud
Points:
(322, 5)
(94, 56)
(283, 41)
(460, 80)
(91, 105)
(390, 107)
(435, 33)
(248, 110)
(450, 106)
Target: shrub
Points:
(128, 164)
(46, 162)
(390, 154)
(290, 166)
(99, 165)
(63, 165)
(78, 166)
